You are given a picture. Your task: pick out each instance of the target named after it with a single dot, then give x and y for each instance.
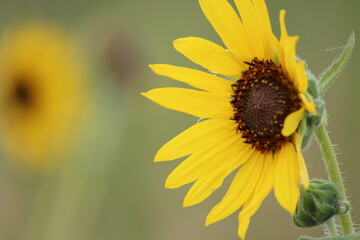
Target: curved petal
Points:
(262, 189)
(300, 77)
(201, 161)
(304, 176)
(289, 63)
(195, 78)
(309, 106)
(240, 189)
(209, 55)
(292, 121)
(214, 178)
(287, 177)
(227, 24)
(296, 70)
(193, 138)
(196, 103)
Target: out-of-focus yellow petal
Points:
(227, 24)
(196, 103)
(214, 178)
(287, 177)
(240, 189)
(309, 106)
(304, 176)
(200, 162)
(292, 121)
(195, 78)
(262, 189)
(209, 55)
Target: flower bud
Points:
(318, 203)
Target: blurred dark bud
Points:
(318, 203)
(120, 56)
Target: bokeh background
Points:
(105, 186)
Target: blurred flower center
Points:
(262, 99)
(22, 92)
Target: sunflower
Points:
(249, 122)
(41, 93)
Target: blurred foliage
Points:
(108, 186)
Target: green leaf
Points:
(355, 236)
(330, 74)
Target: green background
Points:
(110, 188)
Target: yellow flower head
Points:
(40, 93)
(250, 124)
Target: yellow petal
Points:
(300, 77)
(309, 106)
(263, 15)
(194, 138)
(195, 78)
(292, 121)
(304, 176)
(284, 33)
(296, 70)
(260, 36)
(227, 24)
(289, 47)
(209, 55)
(287, 177)
(214, 178)
(240, 189)
(197, 103)
(244, 218)
(262, 189)
(201, 161)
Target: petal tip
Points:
(168, 185)
(177, 43)
(209, 219)
(187, 203)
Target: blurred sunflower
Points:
(250, 124)
(41, 93)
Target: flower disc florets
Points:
(262, 98)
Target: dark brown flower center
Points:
(262, 99)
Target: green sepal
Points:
(318, 203)
(310, 122)
(312, 84)
(355, 236)
(330, 74)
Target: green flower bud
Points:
(318, 203)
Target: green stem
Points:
(331, 227)
(333, 170)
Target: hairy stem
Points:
(331, 227)
(333, 170)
